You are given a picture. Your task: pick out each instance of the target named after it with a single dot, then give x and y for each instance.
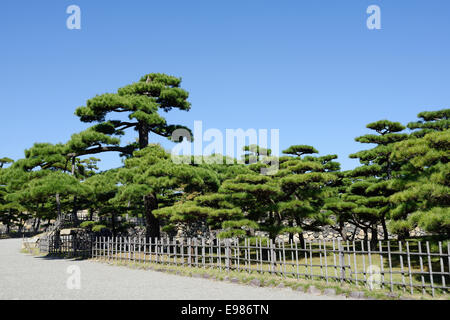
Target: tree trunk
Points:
(152, 223)
(20, 225)
(75, 211)
(354, 234)
(143, 135)
(302, 240)
(113, 224)
(385, 230)
(402, 236)
(374, 239)
(291, 235)
(36, 224)
(73, 166)
(342, 231)
(58, 205)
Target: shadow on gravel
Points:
(60, 257)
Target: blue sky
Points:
(309, 68)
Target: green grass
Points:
(271, 279)
(267, 280)
(324, 268)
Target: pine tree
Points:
(151, 181)
(256, 196)
(421, 184)
(100, 197)
(4, 161)
(430, 121)
(305, 181)
(340, 208)
(213, 207)
(423, 192)
(40, 177)
(372, 189)
(141, 102)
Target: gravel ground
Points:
(23, 276)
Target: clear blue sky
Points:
(309, 68)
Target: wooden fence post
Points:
(390, 266)
(341, 261)
(227, 254)
(261, 256)
(284, 261)
(442, 265)
(421, 267)
(238, 255)
(354, 261)
(409, 268)
(401, 265)
(296, 260)
(381, 264)
(189, 252)
(182, 252)
(430, 268)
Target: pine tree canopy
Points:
(141, 101)
(402, 181)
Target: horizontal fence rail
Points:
(408, 266)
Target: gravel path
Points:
(23, 276)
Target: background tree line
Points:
(402, 181)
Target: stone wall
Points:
(200, 229)
(327, 233)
